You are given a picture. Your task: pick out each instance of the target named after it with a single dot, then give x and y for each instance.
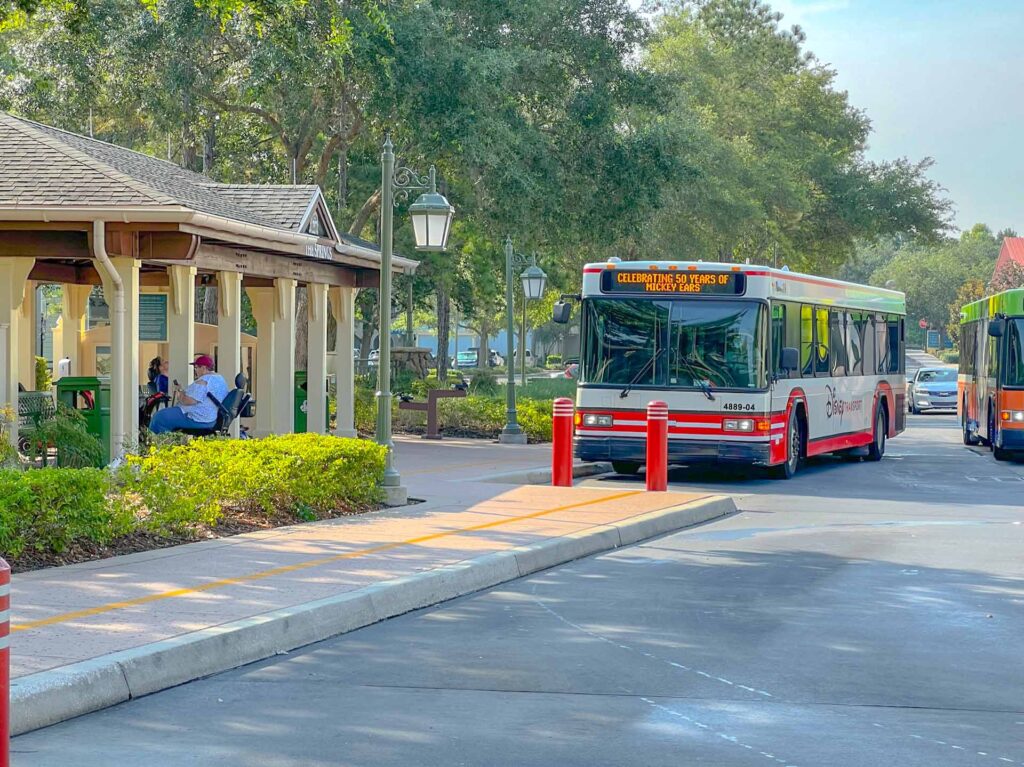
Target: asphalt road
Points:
(858, 615)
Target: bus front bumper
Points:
(1011, 439)
(680, 451)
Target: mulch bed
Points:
(232, 523)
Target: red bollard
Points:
(657, 446)
(561, 442)
(5, 664)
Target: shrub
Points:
(550, 388)
(554, 360)
(483, 381)
(47, 510)
(477, 416)
(951, 356)
(187, 486)
(43, 379)
(66, 431)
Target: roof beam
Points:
(253, 264)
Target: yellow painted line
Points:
(257, 576)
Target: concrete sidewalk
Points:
(95, 634)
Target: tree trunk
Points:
(207, 311)
(209, 141)
(369, 329)
(301, 329)
(444, 307)
(483, 355)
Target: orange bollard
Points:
(561, 442)
(5, 664)
(657, 446)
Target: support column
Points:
(262, 302)
(181, 322)
(282, 389)
(27, 337)
(74, 304)
(124, 394)
(13, 276)
(343, 306)
(229, 329)
(316, 354)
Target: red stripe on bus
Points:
(841, 442)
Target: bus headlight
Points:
(738, 424)
(592, 419)
(1016, 416)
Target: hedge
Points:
(47, 510)
(311, 475)
(182, 489)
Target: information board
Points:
(153, 317)
(673, 282)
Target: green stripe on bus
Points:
(1009, 302)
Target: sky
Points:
(937, 78)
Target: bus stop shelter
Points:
(79, 212)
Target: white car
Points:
(932, 389)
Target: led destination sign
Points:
(662, 282)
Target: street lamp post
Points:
(533, 280)
(431, 218)
(513, 434)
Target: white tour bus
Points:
(758, 366)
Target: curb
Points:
(49, 697)
(543, 476)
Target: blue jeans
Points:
(171, 418)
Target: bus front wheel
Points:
(794, 442)
(628, 468)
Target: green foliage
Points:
(932, 274)
(952, 356)
(554, 360)
(67, 432)
(50, 509)
(550, 388)
(969, 292)
(43, 380)
(187, 486)
(484, 417)
(483, 381)
(8, 455)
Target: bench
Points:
(430, 408)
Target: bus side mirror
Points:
(995, 329)
(561, 312)
(790, 359)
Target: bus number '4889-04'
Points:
(738, 406)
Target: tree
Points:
(970, 291)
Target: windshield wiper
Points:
(641, 373)
(692, 372)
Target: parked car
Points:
(470, 358)
(932, 389)
(466, 359)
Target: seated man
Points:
(194, 409)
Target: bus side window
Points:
(967, 349)
(856, 332)
(894, 326)
(821, 355)
(882, 345)
(778, 336)
(837, 342)
(807, 340)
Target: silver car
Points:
(932, 389)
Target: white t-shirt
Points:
(205, 411)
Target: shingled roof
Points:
(41, 165)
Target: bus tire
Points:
(794, 448)
(1001, 454)
(629, 468)
(877, 447)
(969, 438)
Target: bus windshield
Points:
(685, 344)
(1014, 373)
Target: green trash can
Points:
(302, 404)
(90, 396)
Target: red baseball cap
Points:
(203, 360)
